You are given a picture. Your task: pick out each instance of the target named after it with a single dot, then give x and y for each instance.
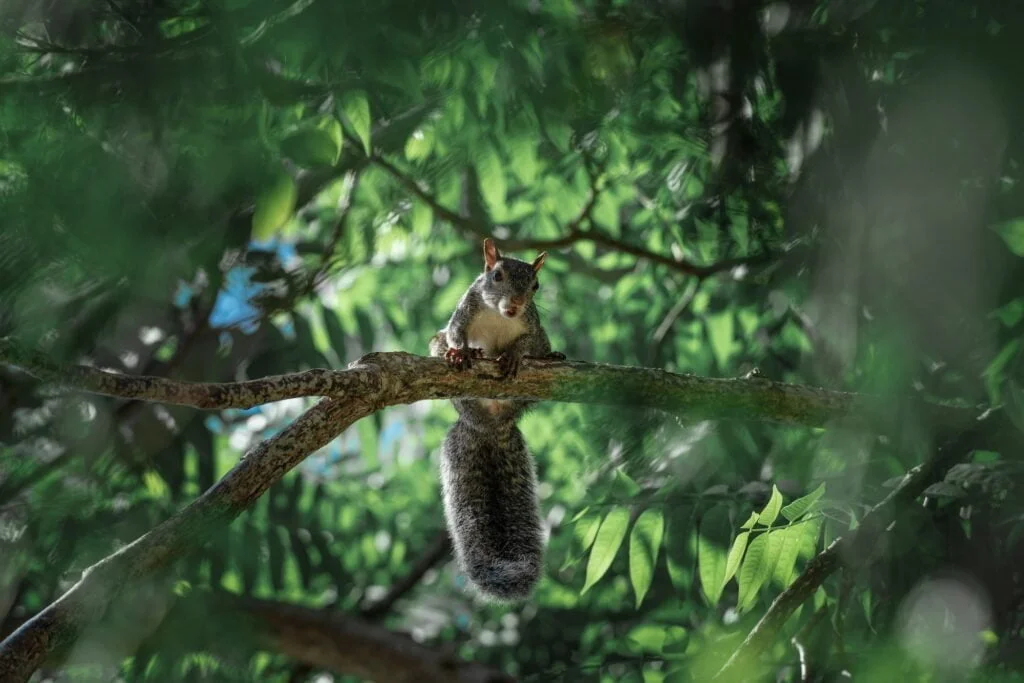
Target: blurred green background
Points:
(828, 192)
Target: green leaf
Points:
(606, 212)
(623, 486)
(606, 545)
(523, 153)
(314, 145)
(155, 484)
(678, 535)
(790, 539)
(274, 207)
(677, 639)
(647, 638)
(720, 334)
(356, 109)
(749, 524)
(419, 144)
(586, 531)
(1012, 232)
(491, 175)
(799, 507)
(711, 557)
(771, 509)
(732, 562)
(644, 542)
(758, 566)
(995, 372)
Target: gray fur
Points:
(487, 475)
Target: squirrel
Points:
(488, 478)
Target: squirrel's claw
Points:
(460, 359)
(508, 363)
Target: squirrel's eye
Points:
(536, 285)
(498, 276)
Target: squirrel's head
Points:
(509, 284)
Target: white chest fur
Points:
(493, 332)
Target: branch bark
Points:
(373, 382)
(322, 639)
(396, 378)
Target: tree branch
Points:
(61, 622)
(434, 553)
(854, 550)
(573, 235)
(397, 378)
(319, 638)
(373, 382)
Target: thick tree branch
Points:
(375, 381)
(395, 378)
(853, 550)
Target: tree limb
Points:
(322, 639)
(573, 235)
(61, 622)
(397, 378)
(852, 550)
(373, 382)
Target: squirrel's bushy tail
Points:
(490, 500)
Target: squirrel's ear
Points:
(491, 254)
(539, 261)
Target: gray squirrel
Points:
(487, 475)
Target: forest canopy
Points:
(784, 248)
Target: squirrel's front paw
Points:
(460, 359)
(508, 364)
(554, 355)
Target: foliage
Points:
(221, 190)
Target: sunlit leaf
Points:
(647, 638)
(274, 207)
(492, 175)
(771, 509)
(720, 334)
(732, 563)
(356, 109)
(315, 145)
(751, 521)
(758, 567)
(789, 549)
(606, 545)
(799, 507)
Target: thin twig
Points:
(438, 549)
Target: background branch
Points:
(854, 550)
(574, 234)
